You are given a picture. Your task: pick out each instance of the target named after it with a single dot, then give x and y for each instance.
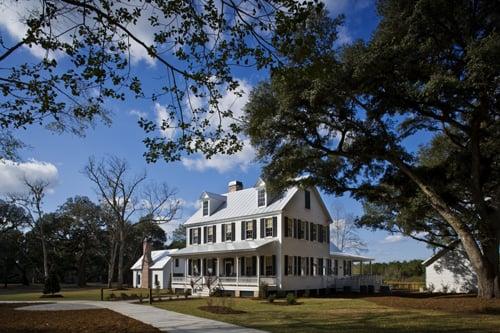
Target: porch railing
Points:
(356, 281)
(228, 280)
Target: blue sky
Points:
(69, 153)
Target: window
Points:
(210, 234)
(301, 229)
(313, 231)
(157, 282)
(249, 231)
(289, 227)
(320, 266)
(229, 232)
(138, 280)
(308, 199)
(336, 267)
(269, 266)
(196, 236)
(176, 262)
(269, 227)
(205, 207)
(289, 265)
(261, 197)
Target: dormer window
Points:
(307, 199)
(205, 207)
(261, 197)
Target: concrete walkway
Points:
(166, 321)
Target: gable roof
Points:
(451, 246)
(241, 204)
(160, 259)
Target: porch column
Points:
(237, 259)
(216, 268)
(186, 261)
(258, 270)
(201, 272)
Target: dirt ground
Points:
(446, 303)
(85, 321)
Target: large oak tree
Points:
(345, 115)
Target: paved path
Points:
(167, 321)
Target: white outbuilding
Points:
(450, 271)
(159, 268)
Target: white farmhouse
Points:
(154, 268)
(245, 238)
(449, 271)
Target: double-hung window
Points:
(249, 232)
(269, 227)
(289, 228)
(205, 207)
(229, 232)
(210, 234)
(261, 197)
(196, 236)
(269, 265)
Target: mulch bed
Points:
(446, 303)
(52, 296)
(86, 321)
(220, 310)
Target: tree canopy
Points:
(344, 116)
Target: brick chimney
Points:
(234, 186)
(147, 262)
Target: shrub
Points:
(291, 299)
(51, 285)
(187, 293)
(271, 298)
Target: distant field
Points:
(357, 315)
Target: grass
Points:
(34, 292)
(339, 315)
(95, 320)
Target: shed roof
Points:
(440, 253)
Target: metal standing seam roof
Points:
(160, 259)
(240, 204)
(239, 246)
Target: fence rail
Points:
(405, 285)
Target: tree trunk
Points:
(120, 258)
(111, 264)
(82, 280)
(485, 268)
(45, 257)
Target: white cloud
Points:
(336, 7)
(13, 174)
(223, 163)
(343, 37)
(137, 113)
(161, 115)
(393, 239)
(230, 101)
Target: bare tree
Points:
(32, 201)
(118, 192)
(159, 202)
(343, 231)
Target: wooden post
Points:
(102, 294)
(150, 296)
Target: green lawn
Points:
(33, 293)
(339, 315)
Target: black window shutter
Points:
(286, 226)
(233, 231)
(306, 271)
(311, 227)
(299, 227)
(254, 229)
(295, 229)
(242, 263)
(199, 235)
(243, 229)
(306, 225)
(312, 265)
(204, 234)
(223, 238)
(274, 265)
(299, 260)
(286, 265)
(262, 230)
(190, 269)
(214, 232)
(328, 234)
(261, 268)
(254, 265)
(320, 233)
(275, 226)
(204, 266)
(190, 236)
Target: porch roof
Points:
(241, 246)
(355, 257)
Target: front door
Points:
(229, 267)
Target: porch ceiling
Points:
(241, 246)
(355, 257)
